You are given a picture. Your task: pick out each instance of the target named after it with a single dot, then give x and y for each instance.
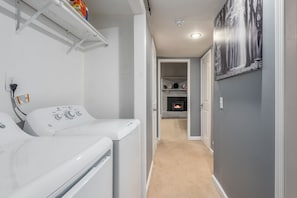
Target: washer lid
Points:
(116, 129)
(36, 167)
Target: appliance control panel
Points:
(67, 113)
(47, 121)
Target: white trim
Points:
(154, 90)
(209, 148)
(189, 97)
(149, 177)
(279, 99)
(208, 53)
(219, 187)
(211, 151)
(194, 138)
(159, 99)
(140, 90)
(199, 138)
(168, 60)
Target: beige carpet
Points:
(182, 168)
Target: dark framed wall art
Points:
(238, 38)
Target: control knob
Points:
(78, 113)
(58, 116)
(2, 126)
(70, 114)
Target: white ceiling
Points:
(108, 7)
(172, 41)
(114, 7)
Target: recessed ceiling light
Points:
(196, 35)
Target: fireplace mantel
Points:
(168, 90)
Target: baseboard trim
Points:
(209, 148)
(219, 187)
(194, 138)
(149, 177)
(211, 151)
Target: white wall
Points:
(111, 68)
(39, 64)
(102, 95)
(52, 77)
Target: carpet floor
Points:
(182, 168)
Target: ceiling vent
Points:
(179, 22)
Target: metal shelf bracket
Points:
(32, 18)
(76, 45)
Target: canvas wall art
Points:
(238, 38)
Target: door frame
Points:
(279, 98)
(154, 97)
(169, 60)
(211, 99)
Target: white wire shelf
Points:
(63, 14)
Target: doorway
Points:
(175, 153)
(174, 92)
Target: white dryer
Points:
(75, 120)
(39, 167)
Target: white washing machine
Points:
(39, 167)
(75, 120)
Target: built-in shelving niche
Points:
(167, 83)
(78, 31)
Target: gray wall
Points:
(290, 99)
(244, 129)
(195, 94)
(174, 70)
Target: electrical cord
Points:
(13, 87)
(14, 109)
(16, 106)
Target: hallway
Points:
(182, 168)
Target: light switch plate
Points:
(221, 103)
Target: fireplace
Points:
(176, 103)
